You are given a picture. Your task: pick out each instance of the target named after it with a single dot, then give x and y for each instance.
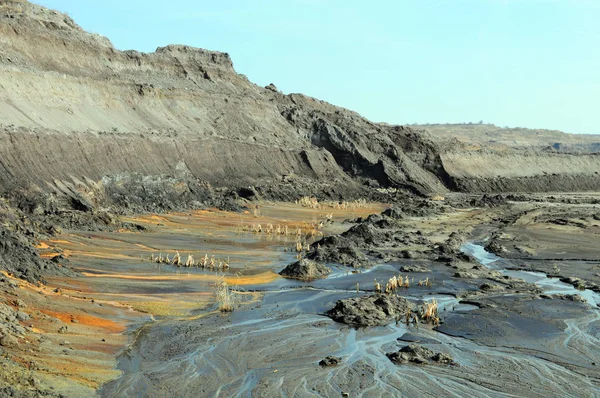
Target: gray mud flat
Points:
(507, 345)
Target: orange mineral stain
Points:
(87, 320)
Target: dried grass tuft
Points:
(225, 296)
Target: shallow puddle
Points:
(550, 285)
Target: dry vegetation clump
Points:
(306, 229)
(426, 282)
(205, 262)
(312, 203)
(399, 282)
(302, 233)
(309, 201)
(225, 295)
(429, 312)
(347, 205)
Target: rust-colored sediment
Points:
(87, 320)
(96, 319)
(64, 336)
(262, 278)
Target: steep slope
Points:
(164, 130)
(76, 111)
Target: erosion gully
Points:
(271, 345)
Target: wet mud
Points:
(507, 332)
(502, 330)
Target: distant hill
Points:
(514, 137)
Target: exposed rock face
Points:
(521, 171)
(90, 114)
(375, 310)
(305, 270)
(487, 158)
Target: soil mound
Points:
(420, 355)
(340, 250)
(375, 310)
(305, 270)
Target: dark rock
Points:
(18, 256)
(330, 361)
(414, 268)
(490, 287)
(249, 193)
(272, 87)
(578, 283)
(364, 234)
(374, 310)
(394, 212)
(496, 248)
(58, 259)
(407, 254)
(386, 222)
(577, 298)
(440, 357)
(340, 250)
(420, 355)
(465, 275)
(305, 270)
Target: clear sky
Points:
(525, 63)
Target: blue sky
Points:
(526, 63)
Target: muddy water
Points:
(272, 344)
(550, 285)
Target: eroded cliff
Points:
(82, 118)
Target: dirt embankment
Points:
(76, 110)
(522, 171)
(179, 128)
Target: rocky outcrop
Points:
(330, 361)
